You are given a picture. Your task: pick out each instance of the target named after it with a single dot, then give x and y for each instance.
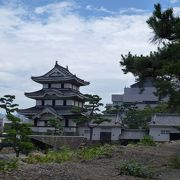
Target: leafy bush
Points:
(66, 154)
(8, 165)
(94, 152)
(26, 147)
(175, 161)
(147, 141)
(60, 156)
(52, 156)
(133, 168)
(34, 158)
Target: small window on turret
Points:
(53, 102)
(49, 86)
(35, 123)
(62, 85)
(42, 102)
(64, 103)
(66, 122)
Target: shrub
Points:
(133, 168)
(94, 152)
(60, 156)
(66, 154)
(26, 147)
(147, 141)
(52, 156)
(34, 158)
(175, 161)
(8, 165)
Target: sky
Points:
(87, 35)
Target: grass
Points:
(66, 154)
(147, 141)
(175, 161)
(52, 156)
(95, 152)
(8, 165)
(133, 168)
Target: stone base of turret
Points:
(58, 142)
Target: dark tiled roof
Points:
(55, 93)
(117, 97)
(165, 120)
(62, 75)
(148, 82)
(61, 110)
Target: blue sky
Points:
(113, 5)
(109, 5)
(87, 35)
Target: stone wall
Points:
(60, 141)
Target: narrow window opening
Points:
(62, 85)
(53, 102)
(66, 122)
(35, 123)
(45, 123)
(64, 102)
(42, 102)
(49, 86)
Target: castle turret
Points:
(59, 94)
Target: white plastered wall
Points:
(155, 132)
(38, 102)
(48, 102)
(67, 85)
(45, 85)
(56, 85)
(59, 102)
(70, 102)
(115, 132)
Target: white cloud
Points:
(132, 11)
(176, 11)
(174, 1)
(121, 11)
(99, 9)
(91, 48)
(56, 7)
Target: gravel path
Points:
(101, 169)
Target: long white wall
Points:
(162, 133)
(115, 132)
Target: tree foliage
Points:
(135, 118)
(90, 114)
(163, 66)
(7, 103)
(17, 132)
(120, 109)
(164, 24)
(56, 124)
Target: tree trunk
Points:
(17, 153)
(91, 133)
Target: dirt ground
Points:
(103, 168)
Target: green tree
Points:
(17, 132)
(164, 24)
(90, 114)
(162, 66)
(58, 128)
(120, 109)
(133, 117)
(139, 118)
(7, 104)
